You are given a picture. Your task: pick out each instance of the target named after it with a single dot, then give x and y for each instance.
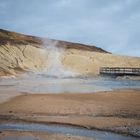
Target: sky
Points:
(113, 25)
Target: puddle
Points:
(76, 131)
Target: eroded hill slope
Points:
(21, 53)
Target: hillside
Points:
(13, 38)
(23, 53)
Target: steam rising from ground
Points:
(55, 67)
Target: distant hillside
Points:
(14, 38)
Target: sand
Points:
(7, 94)
(117, 111)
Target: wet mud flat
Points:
(29, 104)
(116, 111)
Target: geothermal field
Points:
(54, 90)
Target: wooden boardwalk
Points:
(119, 71)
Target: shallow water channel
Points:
(61, 129)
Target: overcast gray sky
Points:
(113, 25)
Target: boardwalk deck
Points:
(119, 71)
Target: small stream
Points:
(61, 129)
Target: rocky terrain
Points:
(22, 53)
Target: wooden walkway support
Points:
(119, 71)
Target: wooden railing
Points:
(119, 71)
